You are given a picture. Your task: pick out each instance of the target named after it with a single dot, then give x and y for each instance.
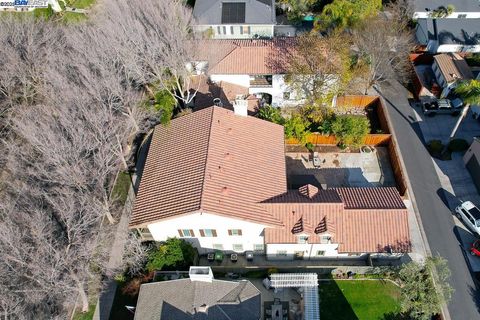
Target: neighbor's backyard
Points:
(358, 299)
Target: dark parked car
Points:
(442, 106)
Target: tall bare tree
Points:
(382, 47)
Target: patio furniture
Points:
(211, 256)
(249, 255)
(316, 160)
(219, 256)
(234, 257)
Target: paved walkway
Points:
(105, 301)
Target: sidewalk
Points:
(105, 301)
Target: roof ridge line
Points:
(234, 47)
(202, 192)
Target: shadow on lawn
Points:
(333, 305)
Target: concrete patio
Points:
(341, 169)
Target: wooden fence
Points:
(355, 101)
(317, 138)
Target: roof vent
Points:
(203, 274)
(228, 156)
(225, 191)
(202, 309)
(308, 191)
(229, 130)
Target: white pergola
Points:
(309, 283)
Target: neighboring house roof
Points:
(225, 300)
(449, 31)
(251, 57)
(368, 219)
(216, 12)
(460, 5)
(212, 161)
(453, 67)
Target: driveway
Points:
(438, 223)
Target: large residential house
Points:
(235, 19)
(449, 69)
(217, 178)
(247, 68)
(449, 35)
(462, 9)
(198, 297)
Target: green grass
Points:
(121, 187)
(73, 17)
(85, 316)
(358, 299)
(80, 4)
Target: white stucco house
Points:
(217, 178)
(463, 9)
(235, 19)
(449, 35)
(256, 67)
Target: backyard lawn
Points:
(85, 316)
(80, 4)
(358, 299)
(122, 185)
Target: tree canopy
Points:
(424, 288)
(469, 91)
(347, 13)
(350, 130)
(173, 254)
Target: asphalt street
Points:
(437, 219)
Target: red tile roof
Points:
(371, 198)
(244, 56)
(214, 161)
(362, 224)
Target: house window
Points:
(258, 247)
(462, 16)
(281, 253)
(320, 253)
(241, 29)
(224, 30)
(235, 232)
(302, 239)
(186, 233)
(231, 30)
(325, 239)
(218, 246)
(208, 232)
(244, 29)
(286, 95)
(219, 31)
(237, 247)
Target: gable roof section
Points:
(225, 300)
(213, 161)
(368, 219)
(217, 12)
(453, 67)
(252, 57)
(371, 198)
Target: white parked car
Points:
(470, 215)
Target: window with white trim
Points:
(324, 239)
(235, 232)
(217, 246)
(237, 247)
(208, 232)
(320, 253)
(258, 247)
(302, 239)
(281, 253)
(186, 233)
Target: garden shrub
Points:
(435, 146)
(458, 145)
(271, 114)
(350, 130)
(173, 254)
(309, 146)
(296, 127)
(272, 270)
(165, 104)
